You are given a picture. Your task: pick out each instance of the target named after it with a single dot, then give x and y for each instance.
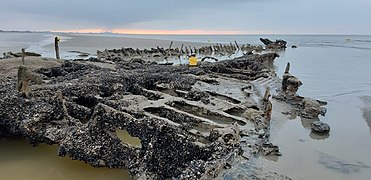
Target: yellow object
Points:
(193, 61)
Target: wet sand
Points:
(9, 67)
(11, 41)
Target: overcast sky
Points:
(234, 16)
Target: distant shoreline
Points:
(273, 34)
(16, 31)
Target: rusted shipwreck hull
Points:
(218, 49)
(189, 120)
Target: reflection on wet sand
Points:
(317, 136)
(339, 165)
(307, 123)
(367, 110)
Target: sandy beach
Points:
(9, 67)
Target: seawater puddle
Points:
(20, 161)
(125, 137)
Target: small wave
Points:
(358, 40)
(350, 92)
(344, 46)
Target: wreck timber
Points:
(189, 119)
(219, 49)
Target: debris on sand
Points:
(278, 44)
(10, 54)
(305, 107)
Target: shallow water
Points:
(21, 161)
(17, 41)
(126, 138)
(339, 75)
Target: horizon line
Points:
(174, 32)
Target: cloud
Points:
(284, 16)
(112, 12)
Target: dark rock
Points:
(320, 127)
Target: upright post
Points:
(287, 70)
(181, 49)
(23, 55)
(168, 50)
(238, 47)
(56, 45)
(171, 44)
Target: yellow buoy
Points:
(193, 61)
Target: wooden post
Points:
(181, 49)
(56, 45)
(268, 111)
(171, 44)
(232, 47)
(23, 51)
(168, 50)
(267, 94)
(167, 53)
(238, 47)
(287, 70)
